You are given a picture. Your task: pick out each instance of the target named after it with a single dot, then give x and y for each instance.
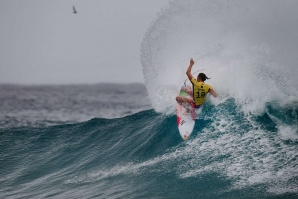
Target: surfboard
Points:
(185, 118)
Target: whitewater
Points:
(58, 144)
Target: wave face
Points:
(229, 155)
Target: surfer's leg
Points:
(185, 102)
(188, 90)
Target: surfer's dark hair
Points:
(203, 76)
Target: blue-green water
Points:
(143, 156)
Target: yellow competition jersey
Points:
(200, 90)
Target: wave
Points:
(248, 48)
(143, 155)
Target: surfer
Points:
(198, 91)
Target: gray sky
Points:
(43, 42)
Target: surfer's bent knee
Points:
(180, 99)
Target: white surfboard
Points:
(185, 118)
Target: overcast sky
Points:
(44, 42)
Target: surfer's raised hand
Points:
(191, 62)
(188, 72)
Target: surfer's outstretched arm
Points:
(188, 72)
(213, 93)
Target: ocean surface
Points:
(121, 141)
(106, 141)
(53, 104)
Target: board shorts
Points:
(195, 106)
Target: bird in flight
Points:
(74, 10)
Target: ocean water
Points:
(141, 154)
(122, 141)
(52, 104)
